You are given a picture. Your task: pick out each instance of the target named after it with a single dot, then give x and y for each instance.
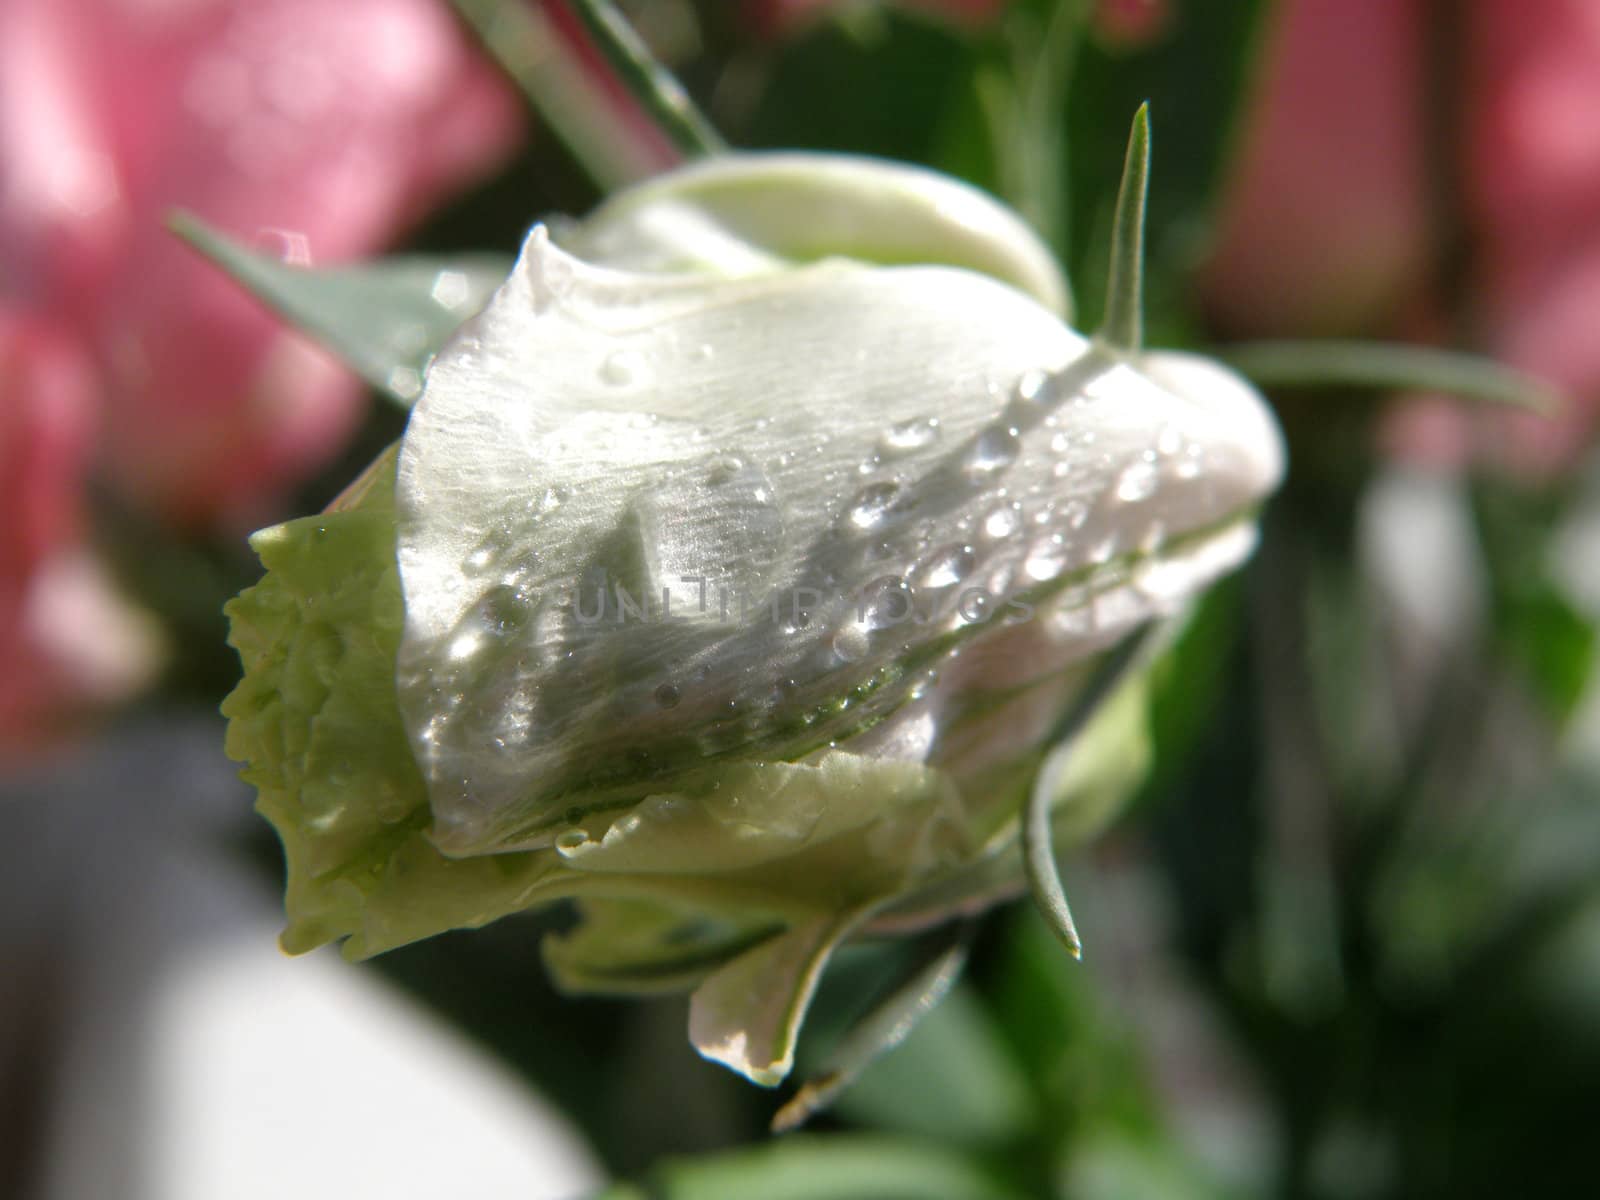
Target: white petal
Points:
(747, 1015)
(749, 213)
(866, 465)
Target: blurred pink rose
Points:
(1533, 87)
(313, 128)
(320, 128)
(47, 581)
(1325, 230)
(1131, 24)
(780, 17)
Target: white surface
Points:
(188, 1058)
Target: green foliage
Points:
(384, 320)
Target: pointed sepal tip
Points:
(1122, 327)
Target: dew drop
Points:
(792, 618)
(851, 643)
(995, 449)
(465, 645)
(974, 609)
(1002, 522)
(1138, 482)
(906, 436)
(947, 567)
(885, 603)
(1030, 388)
(1046, 559)
(621, 367)
(667, 696)
(502, 610)
(872, 505)
(723, 470)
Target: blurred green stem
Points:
(651, 84)
(1388, 366)
(615, 143)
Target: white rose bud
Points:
(749, 581)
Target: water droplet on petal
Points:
(872, 504)
(621, 368)
(1046, 559)
(974, 609)
(724, 470)
(886, 602)
(465, 645)
(995, 449)
(852, 643)
(1138, 482)
(667, 696)
(1031, 386)
(906, 436)
(947, 567)
(1002, 522)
